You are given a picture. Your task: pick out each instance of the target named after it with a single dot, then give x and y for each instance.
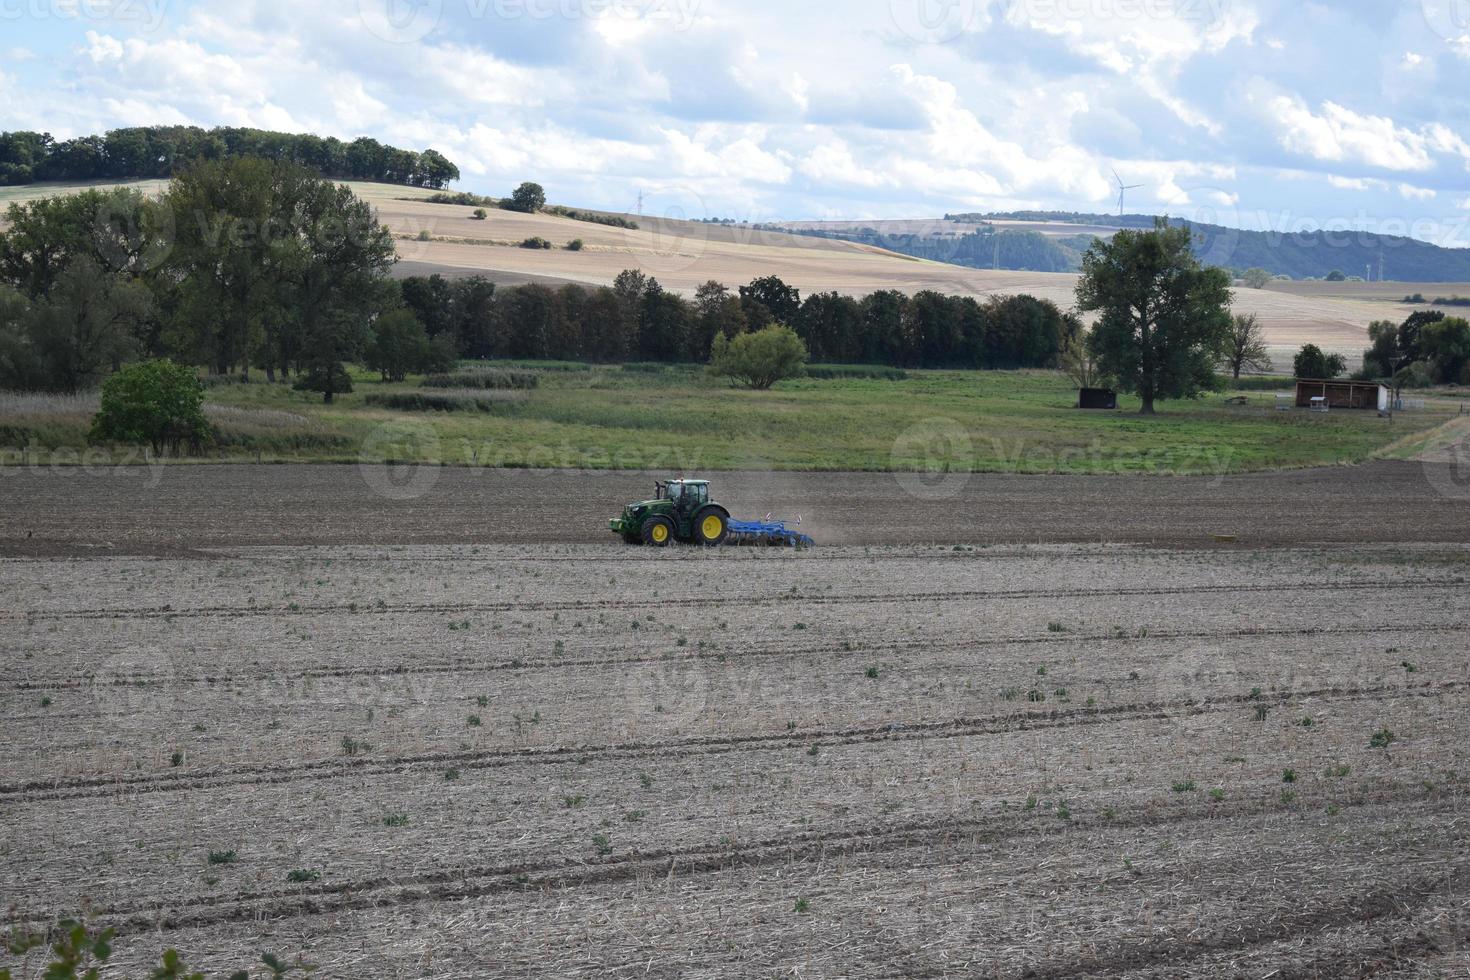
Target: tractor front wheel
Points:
(711, 525)
(658, 531)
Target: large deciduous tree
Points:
(1245, 348)
(769, 300)
(1312, 363)
(1164, 319)
(528, 198)
(275, 266)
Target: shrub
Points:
(456, 197)
(596, 219)
(481, 214)
(535, 241)
(484, 378)
(425, 236)
(758, 360)
(440, 401)
(1256, 278)
(575, 245)
(155, 402)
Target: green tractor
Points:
(680, 511)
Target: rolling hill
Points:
(1052, 241)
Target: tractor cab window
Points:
(697, 495)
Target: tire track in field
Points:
(708, 601)
(1397, 902)
(336, 768)
(480, 881)
(854, 650)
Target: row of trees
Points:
(249, 264)
(242, 263)
(162, 151)
(637, 319)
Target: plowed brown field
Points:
(518, 757)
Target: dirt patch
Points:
(178, 509)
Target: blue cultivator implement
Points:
(767, 532)
(681, 510)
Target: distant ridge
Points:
(1298, 255)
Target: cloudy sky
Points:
(1276, 114)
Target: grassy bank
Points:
(676, 418)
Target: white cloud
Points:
(772, 106)
(832, 162)
(482, 79)
(1340, 134)
(1354, 183)
(103, 47)
(1412, 193)
(706, 154)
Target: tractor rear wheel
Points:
(711, 526)
(658, 531)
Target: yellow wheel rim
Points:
(660, 533)
(712, 527)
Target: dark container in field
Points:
(1103, 399)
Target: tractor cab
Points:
(685, 495)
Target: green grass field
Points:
(680, 420)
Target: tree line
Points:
(162, 151)
(262, 265)
(638, 319)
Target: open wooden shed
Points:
(1368, 395)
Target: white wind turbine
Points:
(1123, 190)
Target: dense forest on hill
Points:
(160, 151)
